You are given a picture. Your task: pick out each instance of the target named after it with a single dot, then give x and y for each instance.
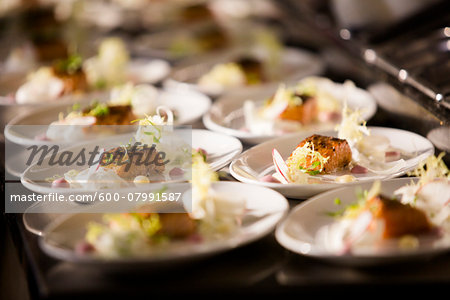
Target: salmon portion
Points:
(174, 225)
(304, 113)
(72, 82)
(400, 219)
(50, 49)
(117, 115)
(212, 38)
(337, 150)
(142, 163)
(196, 12)
(253, 70)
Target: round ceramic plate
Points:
(294, 65)
(220, 149)
(440, 137)
(145, 70)
(178, 43)
(265, 208)
(181, 101)
(299, 231)
(257, 162)
(227, 116)
(9, 110)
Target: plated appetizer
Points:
(127, 103)
(245, 71)
(312, 105)
(417, 211)
(150, 157)
(143, 237)
(73, 75)
(62, 123)
(44, 42)
(302, 165)
(382, 222)
(177, 44)
(353, 155)
(310, 102)
(209, 216)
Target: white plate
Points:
(144, 70)
(440, 137)
(159, 44)
(298, 231)
(181, 101)
(226, 114)
(221, 151)
(257, 162)
(294, 65)
(265, 209)
(9, 110)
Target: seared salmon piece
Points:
(73, 82)
(50, 49)
(176, 225)
(304, 113)
(211, 38)
(142, 163)
(116, 115)
(400, 219)
(253, 70)
(337, 150)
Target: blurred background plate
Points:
(283, 65)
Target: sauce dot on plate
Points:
(176, 173)
(269, 178)
(60, 183)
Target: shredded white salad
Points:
(143, 98)
(219, 214)
(368, 151)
